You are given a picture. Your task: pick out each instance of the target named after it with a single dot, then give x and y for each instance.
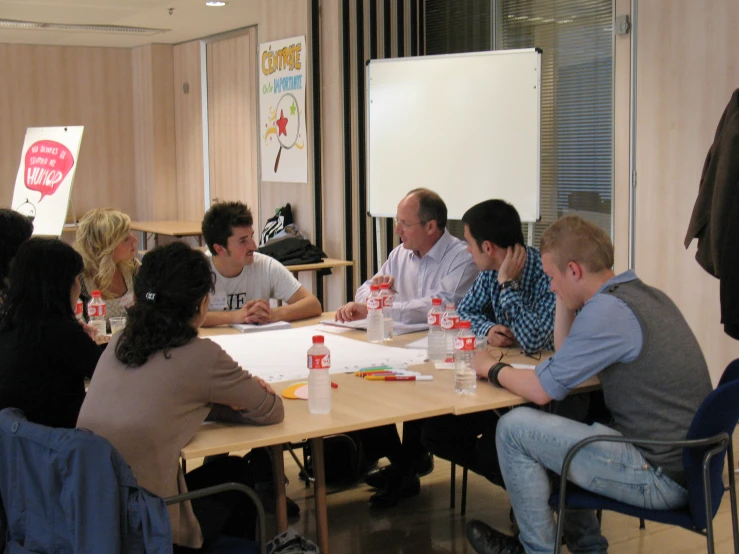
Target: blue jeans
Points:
(530, 442)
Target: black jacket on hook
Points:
(715, 219)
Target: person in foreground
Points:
(429, 263)
(245, 279)
(157, 382)
(108, 248)
(45, 354)
(654, 378)
(15, 229)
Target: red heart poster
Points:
(43, 185)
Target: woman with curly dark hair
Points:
(45, 354)
(157, 382)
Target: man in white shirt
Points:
(245, 280)
(429, 263)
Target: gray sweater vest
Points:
(657, 395)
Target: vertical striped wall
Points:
(370, 30)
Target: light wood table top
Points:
(327, 263)
(360, 404)
(172, 228)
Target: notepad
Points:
(398, 328)
(255, 328)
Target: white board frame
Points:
(467, 126)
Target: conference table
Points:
(356, 404)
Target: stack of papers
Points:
(398, 328)
(256, 327)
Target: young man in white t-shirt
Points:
(246, 280)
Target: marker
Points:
(373, 368)
(334, 385)
(378, 372)
(400, 378)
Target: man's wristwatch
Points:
(512, 284)
(494, 371)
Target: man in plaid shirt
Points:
(510, 301)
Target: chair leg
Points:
(642, 525)
(464, 491)
(599, 516)
(453, 486)
(308, 478)
(732, 496)
(560, 530)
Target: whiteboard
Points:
(466, 126)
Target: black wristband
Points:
(494, 371)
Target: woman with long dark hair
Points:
(157, 382)
(45, 354)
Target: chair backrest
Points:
(68, 488)
(717, 414)
(731, 373)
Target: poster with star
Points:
(282, 111)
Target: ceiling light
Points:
(214, 4)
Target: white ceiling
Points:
(191, 19)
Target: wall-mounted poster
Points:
(282, 111)
(45, 175)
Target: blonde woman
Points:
(108, 249)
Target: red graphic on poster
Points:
(47, 164)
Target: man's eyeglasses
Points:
(405, 225)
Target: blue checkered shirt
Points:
(528, 311)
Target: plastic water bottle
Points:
(450, 325)
(375, 331)
(387, 310)
(78, 311)
(96, 312)
(437, 338)
(465, 378)
(319, 381)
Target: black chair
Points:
(708, 441)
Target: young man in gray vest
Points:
(654, 378)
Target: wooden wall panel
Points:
(280, 19)
(687, 69)
(154, 132)
(232, 120)
(621, 141)
(333, 155)
(188, 111)
(57, 86)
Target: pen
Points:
(400, 378)
(380, 372)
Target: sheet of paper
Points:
(254, 328)
(444, 365)
(281, 356)
(323, 328)
(422, 343)
(398, 328)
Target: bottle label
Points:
(96, 310)
(78, 308)
(373, 303)
(434, 319)
(387, 301)
(319, 361)
(449, 323)
(464, 343)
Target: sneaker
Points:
(486, 540)
(379, 478)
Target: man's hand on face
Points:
(512, 267)
(351, 312)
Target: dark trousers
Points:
(384, 442)
(469, 440)
(229, 513)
